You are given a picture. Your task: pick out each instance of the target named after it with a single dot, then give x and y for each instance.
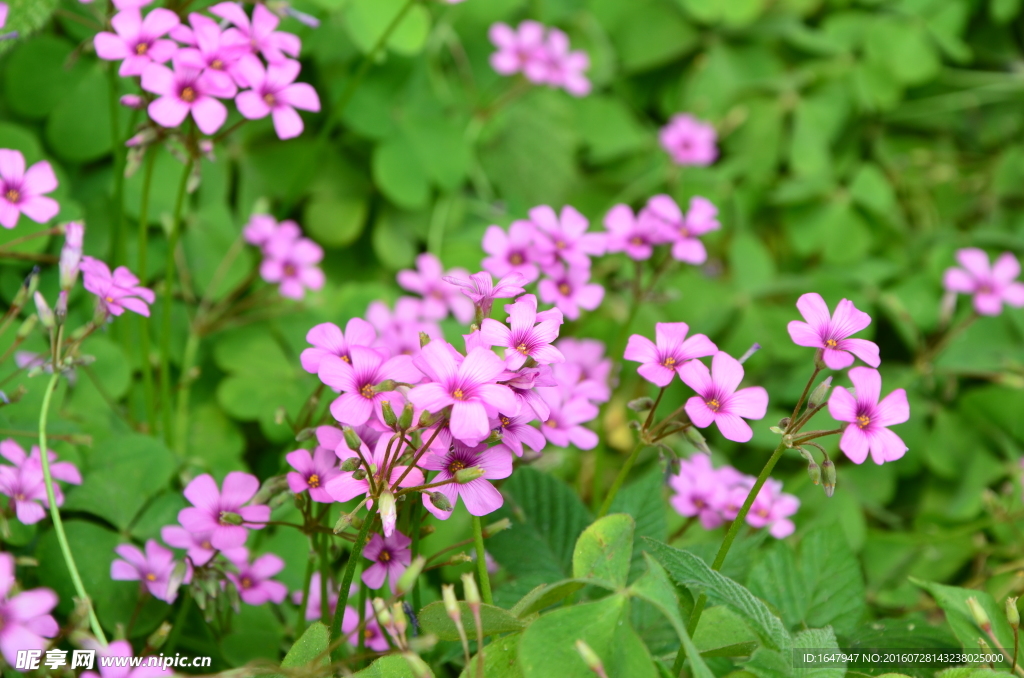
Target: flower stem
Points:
(300, 622)
(481, 562)
(120, 158)
(325, 573)
(621, 478)
(184, 389)
(346, 581)
(58, 526)
(165, 330)
(803, 397)
(144, 347)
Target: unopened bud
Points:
(428, 419)
(351, 439)
(451, 603)
(468, 475)
(440, 501)
(384, 386)
(359, 474)
(590, 658)
(495, 437)
(178, 575)
(230, 518)
(351, 464)
(470, 590)
(388, 511)
(280, 416)
(784, 423)
(27, 326)
(697, 439)
(27, 289)
(305, 434)
(496, 527)
(398, 619)
(424, 339)
(1012, 615)
(408, 578)
(159, 637)
(750, 351)
(46, 316)
(979, 614)
(271, 487)
(814, 471)
(405, 419)
(820, 394)
(640, 404)
(828, 477)
(344, 520)
(388, 413)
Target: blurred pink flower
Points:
(772, 509)
(373, 637)
(118, 291)
(439, 297)
(186, 89)
(520, 50)
(25, 484)
(663, 213)
(662, 360)
(198, 545)
(992, 286)
(585, 367)
(689, 141)
(22, 192)
(253, 580)
(344, 487)
(717, 399)
(514, 251)
(274, 92)
(122, 648)
(564, 238)
(390, 555)
(154, 569)
(328, 339)
(830, 334)
(517, 431)
(564, 68)
(218, 51)
(294, 263)
(868, 419)
(26, 615)
(569, 289)
(211, 509)
(698, 491)
(563, 425)
(632, 235)
(260, 32)
(482, 291)
(137, 40)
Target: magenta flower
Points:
(198, 544)
(516, 432)
(524, 386)
(262, 227)
(829, 334)
(564, 424)
(253, 580)
(154, 569)
(662, 360)
(569, 289)
(294, 263)
(519, 51)
(218, 51)
(24, 483)
(564, 238)
(479, 495)
(3, 14)
(344, 487)
(390, 556)
(470, 389)
(564, 68)
(530, 336)
(328, 339)
(118, 291)
(186, 89)
(662, 212)
(513, 252)
(991, 286)
(356, 378)
(772, 508)
(634, 236)
(698, 491)
(399, 330)
(122, 648)
(313, 610)
(428, 281)
(26, 615)
(212, 509)
(260, 33)
(274, 92)
(868, 418)
(594, 370)
(312, 472)
(482, 291)
(717, 399)
(136, 40)
(71, 254)
(689, 141)
(22, 192)
(373, 637)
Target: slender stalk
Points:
(184, 390)
(179, 622)
(144, 346)
(481, 563)
(803, 397)
(300, 622)
(325, 573)
(346, 581)
(621, 478)
(165, 332)
(56, 230)
(58, 525)
(120, 159)
(417, 511)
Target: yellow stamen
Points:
(367, 391)
(863, 421)
(458, 394)
(188, 95)
(713, 404)
(314, 481)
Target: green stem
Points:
(144, 346)
(300, 622)
(417, 510)
(165, 331)
(481, 560)
(184, 389)
(179, 622)
(58, 525)
(325, 574)
(337, 654)
(803, 397)
(620, 479)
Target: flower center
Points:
(506, 422)
(762, 512)
(368, 634)
(831, 343)
(289, 270)
(269, 98)
(246, 583)
(12, 195)
(188, 94)
(984, 288)
(522, 349)
(565, 289)
(367, 391)
(314, 481)
(109, 300)
(384, 557)
(863, 421)
(19, 497)
(551, 423)
(669, 362)
(455, 466)
(346, 359)
(515, 259)
(150, 577)
(713, 404)
(206, 545)
(141, 48)
(636, 240)
(217, 65)
(458, 394)
(699, 503)
(684, 232)
(560, 245)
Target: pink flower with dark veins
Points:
(479, 495)
(698, 491)
(829, 334)
(564, 423)
(529, 334)
(689, 141)
(514, 251)
(275, 93)
(186, 89)
(312, 472)
(868, 419)
(439, 297)
(662, 360)
(116, 291)
(328, 339)
(224, 513)
(22, 192)
(517, 432)
(772, 508)
(357, 378)
(570, 290)
(390, 555)
(662, 212)
(262, 227)
(219, 51)
(992, 286)
(717, 399)
(627, 233)
(136, 40)
(253, 580)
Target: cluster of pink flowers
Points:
(689, 141)
(661, 222)
(208, 64)
(715, 496)
(992, 285)
(289, 259)
(541, 54)
(24, 485)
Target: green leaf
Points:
(723, 633)
(832, 579)
(653, 36)
(335, 221)
(871, 188)
(604, 550)
(388, 666)
(398, 175)
(78, 128)
(367, 20)
(25, 17)
(904, 48)
(37, 76)
(545, 595)
(953, 601)
(438, 145)
(434, 619)
(609, 129)
(255, 634)
(311, 646)
(1002, 11)
(751, 262)
(501, 659)
(643, 498)
(824, 639)
(775, 578)
(208, 243)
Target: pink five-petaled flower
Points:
(197, 544)
(186, 89)
(428, 281)
(118, 291)
(594, 368)
(530, 336)
(312, 472)
(689, 141)
(22, 192)
(137, 40)
(482, 291)
(154, 569)
(344, 487)
(519, 50)
(990, 285)
(868, 418)
(390, 556)
(662, 360)
(682, 231)
(26, 616)
(328, 339)
(512, 252)
(632, 235)
(468, 387)
(24, 483)
(253, 580)
(829, 334)
(294, 263)
(3, 13)
(262, 227)
(698, 491)
(717, 399)
(122, 648)
(274, 92)
(479, 495)
(219, 51)
(356, 379)
(564, 68)
(516, 432)
(570, 290)
(564, 238)
(566, 416)
(260, 33)
(772, 508)
(218, 511)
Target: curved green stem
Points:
(621, 478)
(337, 653)
(481, 561)
(58, 525)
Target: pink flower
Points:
(564, 238)
(772, 508)
(428, 281)
(570, 290)
(564, 68)
(274, 92)
(253, 580)
(133, 101)
(122, 648)
(22, 192)
(313, 610)
(663, 360)
(689, 141)
(468, 386)
(71, 254)
(26, 615)
(260, 33)
(564, 424)
(373, 637)
(829, 334)
(513, 252)
(399, 330)
(344, 487)
(636, 237)
(698, 491)
(218, 51)
(717, 399)
(868, 418)
(592, 369)
(118, 291)
(262, 227)
(312, 472)
(198, 544)
(137, 40)
(517, 431)
(212, 508)
(292, 262)
(390, 556)
(3, 14)
(524, 386)
(662, 212)
(520, 50)
(328, 339)
(482, 291)
(356, 379)
(186, 89)
(479, 495)
(25, 484)
(154, 569)
(991, 286)
(530, 336)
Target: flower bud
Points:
(640, 404)
(344, 520)
(496, 527)
(27, 326)
(979, 614)
(405, 419)
(784, 423)
(440, 501)
(271, 487)
(351, 439)
(424, 339)
(305, 434)
(494, 438)
(174, 582)
(27, 289)
(230, 518)
(388, 511)
(750, 351)
(590, 658)
(359, 474)
(468, 475)
(398, 619)
(408, 578)
(380, 608)
(820, 394)
(1012, 615)
(46, 316)
(814, 471)
(470, 590)
(71, 255)
(302, 17)
(351, 464)
(133, 101)
(696, 439)
(451, 603)
(428, 419)
(385, 386)
(828, 477)
(388, 414)
(159, 637)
